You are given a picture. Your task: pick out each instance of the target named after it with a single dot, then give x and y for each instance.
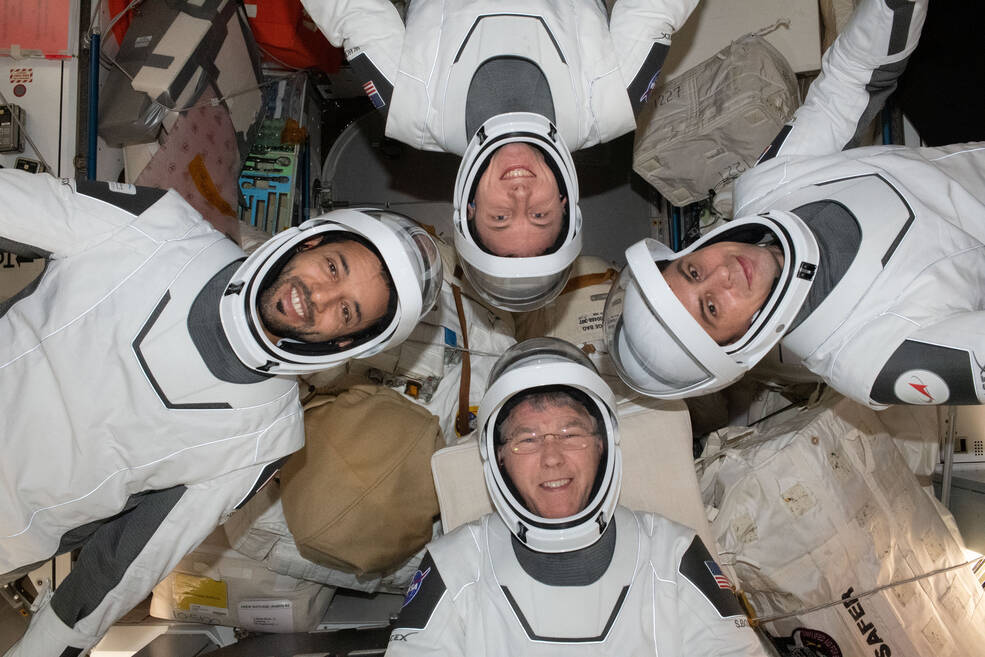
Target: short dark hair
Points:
(542, 397)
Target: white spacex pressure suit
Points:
(896, 313)
(130, 429)
(647, 587)
(597, 72)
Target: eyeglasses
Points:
(529, 443)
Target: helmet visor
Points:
(517, 294)
(545, 400)
(647, 354)
(420, 249)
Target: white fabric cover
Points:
(820, 506)
(242, 593)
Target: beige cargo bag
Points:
(703, 128)
(259, 530)
(359, 496)
(837, 546)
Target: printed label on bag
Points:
(266, 615)
(200, 596)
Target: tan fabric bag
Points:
(359, 497)
(711, 123)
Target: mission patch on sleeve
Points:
(701, 570)
(423, 596)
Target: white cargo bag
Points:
(711, 123)
(830, 531)
(216, 585)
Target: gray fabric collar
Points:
(577, 568)
(205, 329)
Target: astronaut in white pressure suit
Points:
(865, 264)
(560, 568)
(513, 86)
(147, 377)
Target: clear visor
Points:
(420, 249)
(586, 437)
(343, 345)
(517, 294)
(539, 351)
(646, 353)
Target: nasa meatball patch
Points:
(422, 596)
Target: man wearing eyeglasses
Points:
(550, 449)
(561, 568)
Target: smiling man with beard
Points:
(147, 377)
(331, 289)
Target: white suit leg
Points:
(126, 557)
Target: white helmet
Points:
(517, 284)
(660, 350)
(408, 254)
(549, 365)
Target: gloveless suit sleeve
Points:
(371, 35)
(711, 620)
(641, 31)
(42, 215)
(858, 72)
(126, 556)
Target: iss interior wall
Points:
(715, 23)
(47, 90)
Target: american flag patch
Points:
(719, 576)
(373, 94)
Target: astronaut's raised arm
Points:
(43, 215)
(641, 32)
(858, 72)
(371, 34)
